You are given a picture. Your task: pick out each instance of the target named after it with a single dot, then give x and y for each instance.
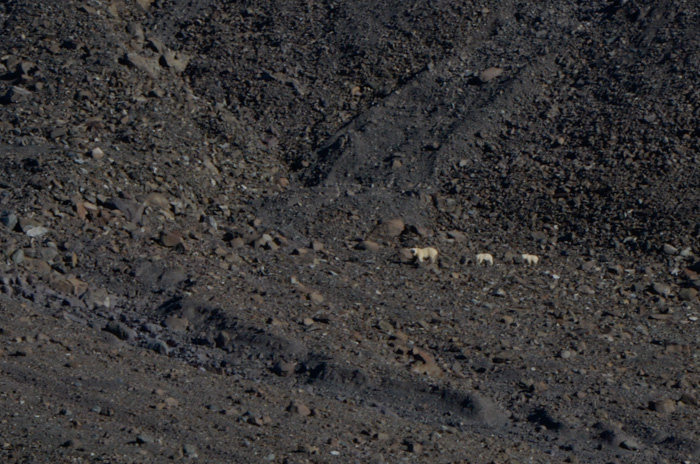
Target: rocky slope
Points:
(207, 209)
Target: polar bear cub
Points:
(531, 259)
(421, 254)
(482, 258)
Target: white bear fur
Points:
(532, 260)
(421, 254)
(484, 258)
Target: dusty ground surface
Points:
(207, 209)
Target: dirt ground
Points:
(208, 207)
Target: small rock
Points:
(171, 239)
(368, 245)
(141, 63)
(457, 236)
(8, 219)
(37, 231)
(630, 445)
(97, 153)
(316, 297)
(299, 408)
(490, 74)
(669, 249)
(15, 94)
(142, 438)
(72, 443)
(178, 324)
(159, 346)
(175, 61)
(121, 330)
(190, 451)
(690, 399)
(425, 364)
(18, 256)
(389, 229)
(616, 269)
(171, 402)
(661, 289)
(284, 368)
(688, 294)
(664, 406)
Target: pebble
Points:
(316, 297)
(688, 294)
(190, 450)
(284, 368)
(97, 153)
(37, 231)
(630, 445)
(662, 289)
(425, 364)
(171, 239)
(8, 219)
(368, 245)
(299, 408)
(175, 61)
(664, 406)
(490, 74)
(143, 438)
(18, 256)
(669, 249)
(178, 324)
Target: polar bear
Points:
(531, 259)
(484, 258)
(421, 254)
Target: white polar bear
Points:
(531, 259)
(484, 258)
(421, 254)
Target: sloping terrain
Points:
(207, 210)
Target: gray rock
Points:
(8, 219)
(15, 94)
(18, 256)
(37, 231)
(190, 450)
(177, 324)
(669, 249)
(159, 346)
(143, 438)
(121, 330)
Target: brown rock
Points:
(297, 407)
(141, 63)
(425, 364)
(688, 294)
(368, 245)
(664, 406)
(175, 61)
(171, 239)
(389, 229)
